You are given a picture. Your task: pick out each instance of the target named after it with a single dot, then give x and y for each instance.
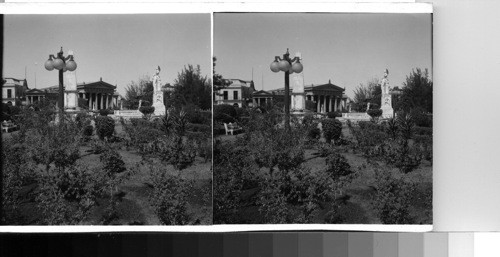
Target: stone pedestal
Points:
(387, 111)
(70, 92)
(158, 103)
(298, 103)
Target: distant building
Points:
(93, 96)
(14, 90)
(327, 97)
(238, 93)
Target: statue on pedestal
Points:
(158, 93)
(386, 101)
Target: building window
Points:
(235, 95)
(9, 93)
(226, 95)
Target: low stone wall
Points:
(356, 116)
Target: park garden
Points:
(96, 168)
(324, 168)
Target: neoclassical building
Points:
(327, 97)
(239, 92)
(95, 95)
(14, 90)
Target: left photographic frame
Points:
(106, 119)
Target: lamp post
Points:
(287, 65)
(61, 64)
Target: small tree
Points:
(332, 129)
(142, 90)
(417, 92)
(147, 111)
(375, 114)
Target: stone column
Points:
(100, 107)
(317, 104)
(331, 102)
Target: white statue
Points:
(385, 83)
(386, 101)
(156, 80)
(158, 93)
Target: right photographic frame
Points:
(322, 118)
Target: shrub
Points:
(314, 133)
(112, 161)
(333, 115)
(421, 118)
(105, 112)
(105, 127)
(67, 196)
(405, 124)
(88, 131)
(375, 114)
(147, 111)
(225, 113)
(170, 197)
(337, 166)
(392, 128)
(422, 131)
(392, 200)
(400, 154)
(332, 129)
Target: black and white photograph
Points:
(322, 118)
(106, 119)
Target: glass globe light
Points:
(49, 65)
(71, 65)
(275, 66)
(297, 67)
(284, 65)
(58, 63)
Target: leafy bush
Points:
(147, 111)
(405, 124)
(105, 127)
(422, 131)
(333, 115)
(88, 131)
(337, 166)
(112, 161)
(332, 129)
(225, 113)
(67, 196)
(375, 114)
(314, 133)
(105, 112)
(392, 200)
(400, 154)
(170, 197)
(421, 118)
(392, 128)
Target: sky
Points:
(347, 49)
(119, 48)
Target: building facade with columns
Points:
(327, 97)
(94, 96)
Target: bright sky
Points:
(118, 48)
(349, 49)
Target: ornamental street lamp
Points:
(62, 64)
(287, 65)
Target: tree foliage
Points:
(191, 87)
(218, 81)
(137, 91)
(370, 92)
(417, 91)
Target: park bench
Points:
(232, 128)
(8, 126)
